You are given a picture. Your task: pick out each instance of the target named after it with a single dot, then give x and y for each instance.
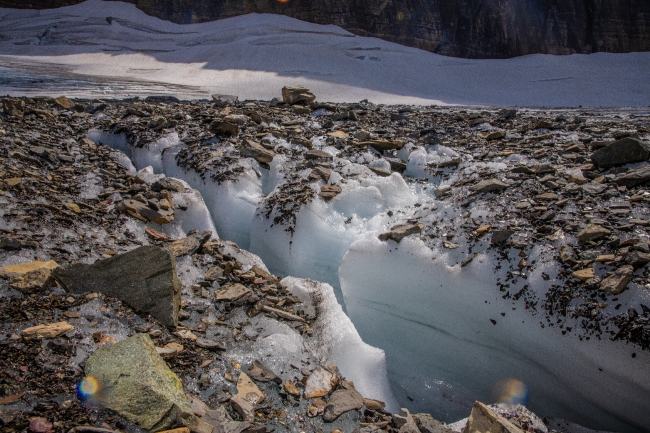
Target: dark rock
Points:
(317, 154)
(224, 100)
(637, 259)
(399, 232)
(162, 99)
(144, 278)
(621, 152)
(220, 127)
(189, 244)
(635, 177)
(262, 373)
(500, 236)
(341, 401)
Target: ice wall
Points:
(434, 322)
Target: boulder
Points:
(144, 278)
(483, 420)
(621, 152)
(137, 383)
(488, 185)
(220, 127)
(634, 177)
(13, 107)
(399, 232)
(618, 281)
(64, 102)
(251, 149)
(168, 183)
(341, 401)
(592, 232)
(297, 94)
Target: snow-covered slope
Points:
(114, 48)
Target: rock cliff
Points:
(461, 28)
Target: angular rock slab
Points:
(483, 420)
(144, 278)
(621, 152)
(295, 94)
(137, 383)
(399, 232)
(189, 244)
(341, 401)
(262, 373)
(320, 383)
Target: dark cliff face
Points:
(461, 28)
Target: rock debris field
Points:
(182, 265)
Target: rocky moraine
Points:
(112, 321)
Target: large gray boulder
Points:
(144, 278)
(137, 383)
(621, 152)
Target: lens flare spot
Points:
(400, 16)
(511, 391)
(87, 387)
(282, 1)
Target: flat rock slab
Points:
(51, 330)
(341, 401)
(251, 149)
(145, 212)
(189, 244)
(621, 152)
(137, 383)
(399, 232)
(488, 185)
(262, 373)
(247, 389)
(634, 177)
(231, 292)
(144, 278)
(618, 281)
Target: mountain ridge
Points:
(462, 28)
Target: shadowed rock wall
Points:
(461, 28)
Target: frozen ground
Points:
(449, 336)
(114, 49)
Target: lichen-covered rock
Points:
(137, 383)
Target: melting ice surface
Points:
(430, 316)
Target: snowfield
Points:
(114, 49)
